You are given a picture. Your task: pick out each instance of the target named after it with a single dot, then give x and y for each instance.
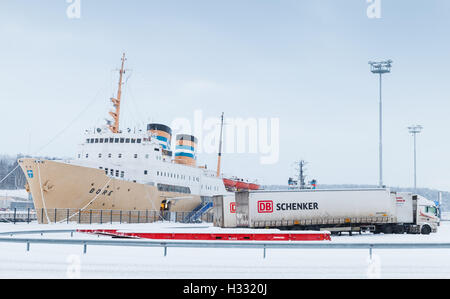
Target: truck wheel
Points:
(426, 230)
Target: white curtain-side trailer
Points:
(343, 210)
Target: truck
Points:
(376, 210)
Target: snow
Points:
(68, 261)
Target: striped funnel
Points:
(185, 150)
(162, 133)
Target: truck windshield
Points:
(431, 210)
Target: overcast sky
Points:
(302, 62)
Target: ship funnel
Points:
(162, 133)
(185, 150)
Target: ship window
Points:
(106, 171)
(133, 140)
(127, 140)
(122, 174)
(120, 155)
(92, 140)
(99, 155)
(135, 156)
(139, 140)
(157, 173)
(79, 156)
(101, 140)
(122, 140)
(87, 156)
(156, 149)
(106, 140)
(111, 172)
(96, 140)
(172, 188)
(116, 140)
(145, 172)
(111, 140)
(117, 173)
(109, 155)
(100, 167)
(87, 140)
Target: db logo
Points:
(265, 206)
(232, 207)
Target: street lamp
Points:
(416, 129)
(381, 68)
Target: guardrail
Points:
(213, 244)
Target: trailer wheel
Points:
(388, 229)
(426, 230)
(399, 229)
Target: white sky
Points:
(304, 62)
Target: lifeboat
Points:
(239, 184)
(253, 186)
(229, 183)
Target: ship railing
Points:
(46, 216)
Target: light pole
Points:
(416, 129)
(381, 68)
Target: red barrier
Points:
(300, 236)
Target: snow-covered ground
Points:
(68, 261)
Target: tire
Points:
(425, 230)
(399, 229)
(388, 229)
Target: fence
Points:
(15, 216)
(98, 216)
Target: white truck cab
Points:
(415, 213)
(427, 215)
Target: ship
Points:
(122, 170)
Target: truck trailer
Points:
(375, 210)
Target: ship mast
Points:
(116, 101)
(220, 147)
